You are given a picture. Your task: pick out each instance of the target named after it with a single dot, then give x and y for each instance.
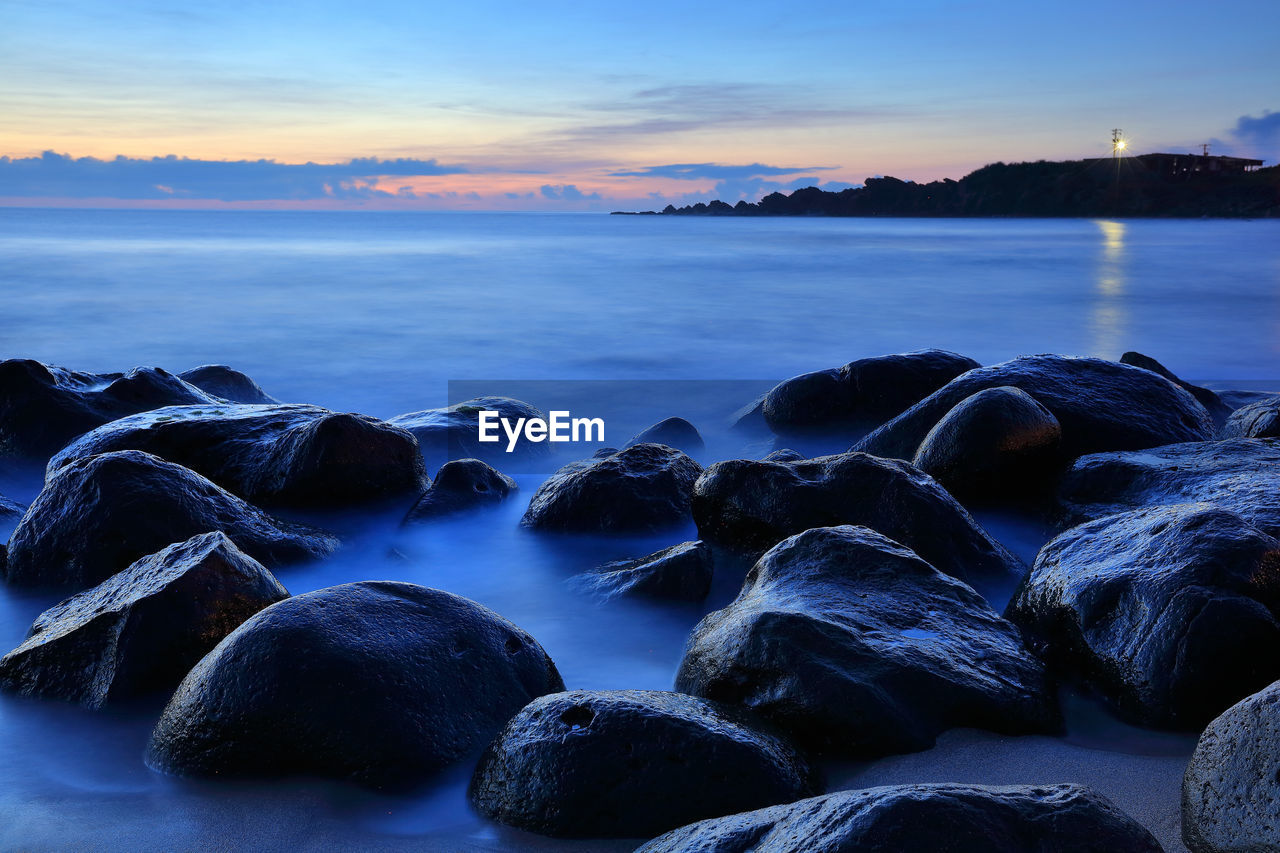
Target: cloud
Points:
(566, 192)
(700, 171)
(1262, 131)
(53, 175)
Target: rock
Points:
(854, 645)
(381, 683)
(749, 419)
(95, 516)
(862, 394)
(1236, 398)
(1101, 405)
(673, 432)
(1232, 784)
(786, 454)
(997, 443)
(461, 485)
(221, 381)
(682, 573)
(1212, 403)
(9, 508)
(141, 630)
(630, 763)
(751, 506)
(1256, 420)
(43, 407)
(281, 455)
(454, 432)
(1169, 611)
(1240, 475)
(645, 487)
(955, 818)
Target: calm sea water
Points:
(377, 313)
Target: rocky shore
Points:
(864, 627)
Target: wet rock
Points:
(281, 455)
(1169, 611)
(645, 487)
(461, 485)
(852, 644)
(1256, 420)
(1240, 475)
(222, 381)
(1237, 398)
(141, 630)
(673, 432)
(955, 818)
(454, 432)
(95, 516)
(44, 407)
(1212, 403)
(751, 506)
(680, 573)
(862, 394)
(1232, 783)
(749, 419)
(381, 683)
(997, 443)
(1101, 405)
(786, 454)
(9, 508)
(630, 763)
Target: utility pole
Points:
(1117, 142)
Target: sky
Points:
(551, 105)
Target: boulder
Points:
(222, 381)
(853, 644)
(270, 454)
(9, 509)
(1168, 611)
(453, 432)
(749, 420)
(95, 516)
(460, 485)
(679, 573)
(751, 506)
(630, 763)
(645, 487)
(1232, 785)
(1101, 405)
(998, 443)
(1241, 475)
(673, 432)
(381, 683)
(141, 630)
(44, 407)
(785, 454)
(862, 394)
(939, 817)
(1256, 420)
(1212, 403)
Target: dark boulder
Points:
(97, 515)
(861, 395)
(453, 432)
(9, 508)
(1256, 420)
(43, 407)
(378, 682)
(931, 817)
(141, 630)
(281, 455)
(630, 763)
(1168, 611)
(645, 487)
(222, 381)
(680, 573)
(1241, 475)
(751, 506)
(852, 644)
(1232, 783)
(1101, 405)
(785, 454)
(1212, 403)
(460, 485)
(749, 419)
(673, 432)
(998, 443)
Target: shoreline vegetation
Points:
(1150, 185)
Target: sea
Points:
(388, 313)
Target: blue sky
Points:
(558, 105)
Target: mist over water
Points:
(378, 313)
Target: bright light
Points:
(1120, 145)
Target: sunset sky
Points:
(591, 105)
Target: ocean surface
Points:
(380, 313)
